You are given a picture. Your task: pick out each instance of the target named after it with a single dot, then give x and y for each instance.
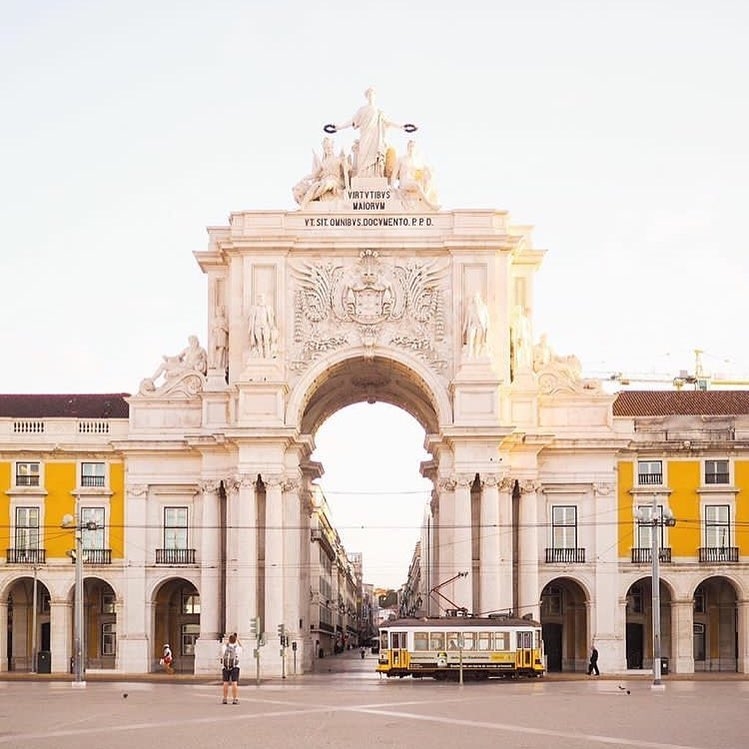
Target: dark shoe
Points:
(235, 702)
(223, 702)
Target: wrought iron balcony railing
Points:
(25, 556)
(95, 556)
(718, 554)
(644, 555)
(566, 556)
(175, 556)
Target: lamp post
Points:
(74, 523)
(656, 523)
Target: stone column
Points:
(243, 585)
(61, 635)
(743, 635)
(433, 576)
(133, 635)
(445, 552)
(682, 636)
(209, 555)
(3, 633)
(462, 545)
(294, 575)
(506, 543)
(490, 583)
(528, 593)
(274, 559)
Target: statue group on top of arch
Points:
(370, 156)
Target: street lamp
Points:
(656, 522)
(71, 522)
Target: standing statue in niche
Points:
(476, 326)
(522, 340)
(220, 336)
(262, 329)
(372, 124)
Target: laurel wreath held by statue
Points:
(330, 128)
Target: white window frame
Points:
(644, 528)
(18, 473)
(715, 472)
(650, 463)
(721, 543)
(93, 539)
(93, 474)
(564, 527)
(17, 529)
(169, 537)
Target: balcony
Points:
(89, 481)
(565, 556)
(719, 554)
(25, 556)
(644, 555)
(649, 479)
(96, 556)
(175, 556)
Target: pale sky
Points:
(617, 129)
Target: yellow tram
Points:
(440, 647)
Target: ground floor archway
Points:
(176, 622)
(564, 625)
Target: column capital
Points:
(464, 479)
(274, 481)
(137, 490)
(604, 488)
(446, 483)
(209, 486)
(490, 479)
(507, 484)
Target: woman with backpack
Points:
(230, 652)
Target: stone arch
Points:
(715, 624)
(564, 623)
(19, 619)
(639, 621)
(175, 603)
(354, 376)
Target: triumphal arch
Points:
(366, 290)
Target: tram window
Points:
(469, 641)
(453, 640)
(537, 640)
(501, 640)
(421, 641)
(436, 640)
(398, 640)
(383, 640)
(485, 641)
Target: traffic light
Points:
(255, 627)
(281, 630)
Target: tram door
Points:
(399, 648)
(524, 654)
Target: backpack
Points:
(230, 659)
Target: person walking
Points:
(593, 663)
(167, 659)
(230, 652)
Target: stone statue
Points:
(262, 329)
(372, 125)
(415, 178)
(193, 358)
(476, 326)
(220, 340)
(522, 340)
(328, 178)
(541, 353)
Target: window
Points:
(436, 640)
(27, 474)
(108, 638)
(190, 603)
(27, 528)
(551, 601)
(501, 640)
(649, 472)
(190, 634)
(92, 474)
(564, 527)
(107, 603)
(645, 527)
(175, 527)
(717, 526)
(92, 537)
(716, 471)
(421, 641)
(635, 599)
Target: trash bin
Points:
(664, 666)
(44, 662)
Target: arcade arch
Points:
(564, 624)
